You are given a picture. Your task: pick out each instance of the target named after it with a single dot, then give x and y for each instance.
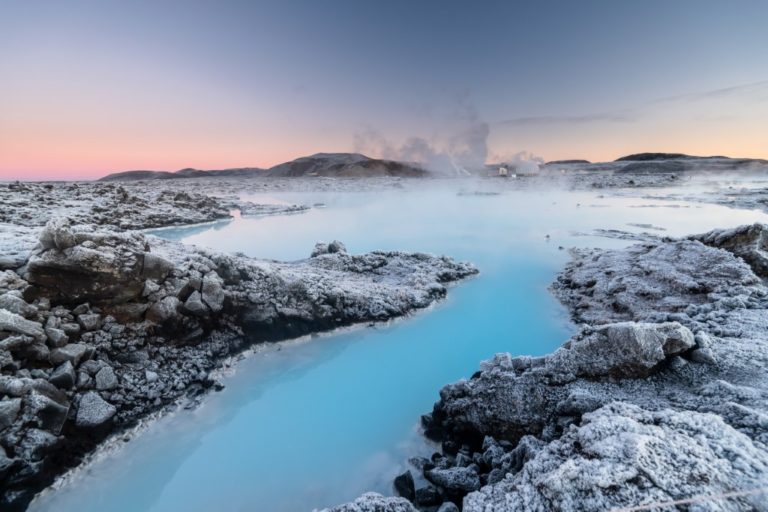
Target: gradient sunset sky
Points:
(92, 87)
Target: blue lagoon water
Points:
(316, 422)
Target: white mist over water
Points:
(317, 423)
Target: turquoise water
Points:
(314, 423)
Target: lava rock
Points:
(212, 292)
(12, 322)
(404, 486)
(72, 352)
(156, 267)
(106, 379)
(89, 322)
(455, 480)
(93, 411)
(63, 376)
(164, 310)
(194, 305)
(9, 410)
(427, 496)
(56, 337)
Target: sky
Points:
(93, 87)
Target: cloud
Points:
(754, 91)
(618, 117)
(747, 90)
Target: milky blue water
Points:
(316, 423)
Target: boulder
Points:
(13, 386)
(11, 322)
(455, 480)
(337, 246)
(89, 321)
(57, 234)
(212, 292)
(35, 444)
(9, 410)
(70, 328)
(331, 248)
(50, 409)
(194, 305)
(15, 304)
(106, 379)
(83, 264)
(163, 310)
(6, 463)
(155, 267)
(427, 496)
(625, 349)
(73, 352)
(57, 338)
(93, 411)
(703, 355)
(404, 486)
(63, 376)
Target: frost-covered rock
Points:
(750, 243)
(90, 265)
(106, 379)
(11, 322)
(627, 349)
(461, 479)
(623, 456)
(93, 411)
(374, 502)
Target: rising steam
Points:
(461, 150)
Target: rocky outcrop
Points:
(662, 394)
(622, 456)
(749, 243)
(99, 328)
(77, 265)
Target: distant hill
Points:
(673, 163)
(320, 164)
(346, 165)
(183, 173)
(646, 157)
(565, 162)
(138, 175)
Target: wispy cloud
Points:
(753, 89)
(754, 92)
(618, 117)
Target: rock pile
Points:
(135, 206)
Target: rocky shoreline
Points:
(101, 327)
(662, 395)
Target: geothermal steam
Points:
(460, 151)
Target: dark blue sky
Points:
(90, 86)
